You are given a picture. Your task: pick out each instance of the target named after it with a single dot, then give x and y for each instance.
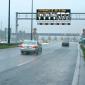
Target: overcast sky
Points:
(25, 6)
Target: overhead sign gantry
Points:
(27, 16)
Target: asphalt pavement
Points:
(11, 57)
(55, 66)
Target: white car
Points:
(30, 46)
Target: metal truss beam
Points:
(27, 16)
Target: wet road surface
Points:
(55, 66)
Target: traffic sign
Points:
(53, 16)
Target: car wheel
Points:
(36, 52)
(22, 52)
(40, 50)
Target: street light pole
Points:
(32, 20)
(9, 23)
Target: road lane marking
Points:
(25, 63)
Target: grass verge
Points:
(3, 46)
(83, 49)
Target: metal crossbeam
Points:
(77, 16)
(27, 16)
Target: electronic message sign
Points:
(53, 16)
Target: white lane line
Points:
(77, 69)
(25, 63)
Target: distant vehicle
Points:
(30, 46)
(65, 42)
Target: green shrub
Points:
(3, 46)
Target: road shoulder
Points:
(82, 71)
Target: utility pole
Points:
(16, 27)
(9, 23)
(31, 19)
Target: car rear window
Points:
(30, 42)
